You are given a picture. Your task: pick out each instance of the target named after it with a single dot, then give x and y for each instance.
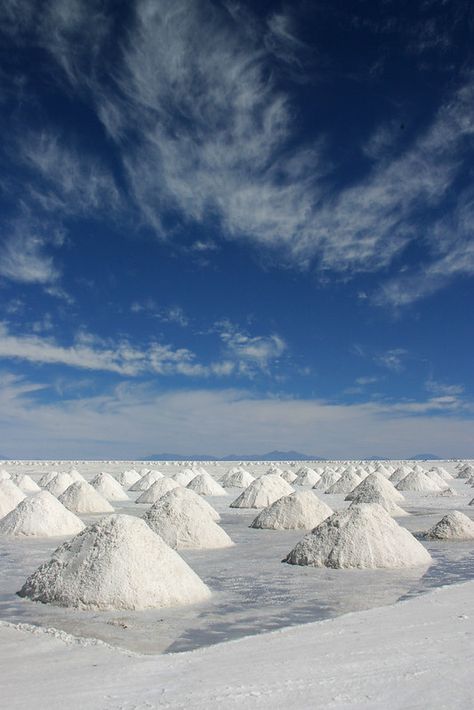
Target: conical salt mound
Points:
(399, 474)
(363, 536)
(127, 478)
(75, 475)
(108, 487)
(184, 477)
(205, 485)
(466, 472)
(445, 475)
(81, 497)
(263, 492)
(418, 482)
(307, 476)
(289, 476)
(301, 510)
(436, 478)
(40, 515)
(239, 478)
(47, 478)
(10, 496)
(273, 469)
(328, 478)
(58, 484)
(454, 526)
(376, 483)
(345, 484)
(146, 481)
(25, 483)
(4, 475)
(117, 563)
(158, 489)
(184, 524)
(376, 495)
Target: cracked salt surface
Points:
(253, 591)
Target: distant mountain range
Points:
(268, 456)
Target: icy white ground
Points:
(416, 653)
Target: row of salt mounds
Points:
(328, 478)
(263, 492)
(301, 510)
(25, 483)
(40, 515)
(182, 523)
(237, 477)
(418, 482)
(59, 483)
(108, 487)
(346, 483)
(363, 536)
(158, 489)
(117, 563)
(10, 496)
(453, 526)
(127, 478)
(306, 476)
(146, 481)
(206, 485)
(81, 497)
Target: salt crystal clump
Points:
(345, 484)
(108, 487)
(307, 476)
(158, 489)
(40, 515)
(263, 492)
(25, 483)
(363, 536)
(205, 485)
(419, 482)
(184, 477)
(376, 483)
(454, 526)
(301, 510)
(58, 484)
(81, 497)
(117, 563)
(146, 481)
(10, 496)
(127, 478)
(237, 478)
(184, 524)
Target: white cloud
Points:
(392, 359)
(250, 351)
(23, 256)
(443, 389)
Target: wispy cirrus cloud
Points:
(392, 359)
(24, 256)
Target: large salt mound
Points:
(263, 492)
(205, 485)
(118, 563)
(419, 482)
(58, 484)
(40, 515)
(237, 478)
(376, 495)
(363, 536)
(81, 497)
(184, 477)
(345, 484)
(301, 510)
(25, 483)
(10, 496)
(307, 476)
(127, 478)
(328, 478)
(158, 489)
(184, 524)
(454, 526)
(108, 487)
(146, 481)
(376, 483)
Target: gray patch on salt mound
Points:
(118, 563)
(263, 492)
(10, 496)
(59, 483)
(205, 485)
(40, 515)
(376, 483)
(454, 526)
(108, 487)
(363, 536)
(81, 497)
(157, 490)
(301, 510)
(184, 524)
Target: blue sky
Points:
(233, 226)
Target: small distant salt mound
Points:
(146, 481)
(328, 478)
(454, 526)
(81, 497)
(345, 484)
(289, 476)
(75, 475)
(183, 524)
(436, 478)
(301, 510)
(40, 515)
(445, 475)
(184, 477)
(157, 490)
(4, 475)
(25, 483)
(237, 478)
(205, 485)
(127, 478)
(399, 474)
(466, 472)
(10, 496)
(363, 536)
(384, 470)
(108, 487)
(58, 484)
(47, 478)
(376, 483)
(263, 492)
(418, 482)
(307, 476)
(118, 563)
